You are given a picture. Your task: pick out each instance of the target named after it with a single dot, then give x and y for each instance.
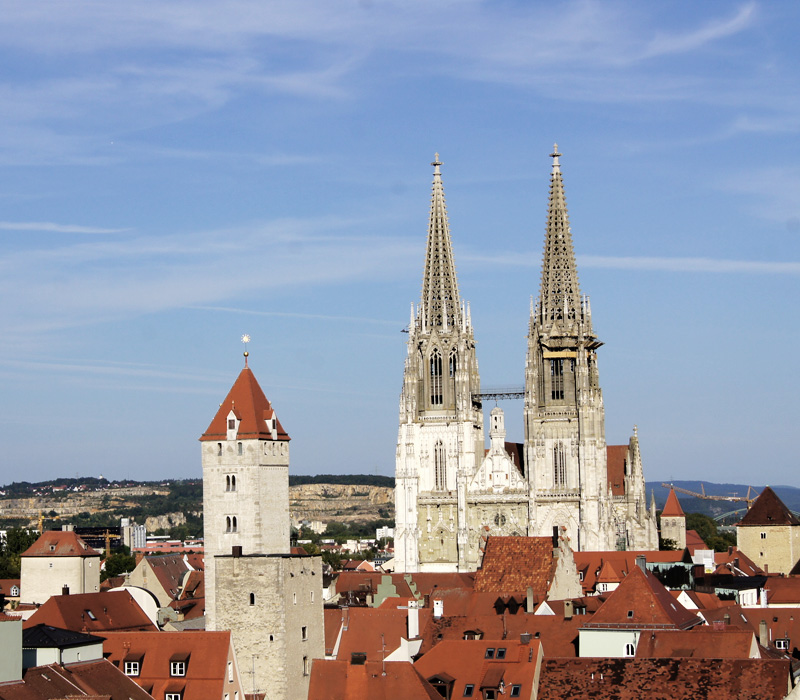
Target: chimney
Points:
(438, 608)
(525, 638)
(65, 590)
(641, 562)
(529, 600)
(413, 622)
(236, 551)
(567, 609)
(763, 637)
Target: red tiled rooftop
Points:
(393, 680)
(768, 509)
(699, 643)
(60, 543)
(511, 564)
(590, 563)
(92, 612)
(673, 679)
(250, 405)
(616, 456)
(672, 508)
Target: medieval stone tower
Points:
(451, 493)
(440, 440)
(269, 599)
(565, 447)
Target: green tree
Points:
(118, 563)
(707, 528)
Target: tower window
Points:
(436, 378)
(231, 424)
(239, 448)
(228, 524)
(252, 599)
(557, 379)
(453, 363)
(219, 449)
(234, 527)
(559, 465)
(440, 466)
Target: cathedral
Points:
(451, 492)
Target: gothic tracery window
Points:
(557, 379)
(559, 465)
(440, 466)
(436, 377)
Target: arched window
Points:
(436, 377)
(239, 448)
(228, 524)
(234, 527)
(559, 465)
(252, 599)
(453, 362)
(233, 482)
(219, 449)
(227, 482)
(440, 466)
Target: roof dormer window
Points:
(233, 425)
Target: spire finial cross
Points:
(436, 163)
(555, 155)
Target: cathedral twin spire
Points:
(441, 306)
(559, 295)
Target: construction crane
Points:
(706, 497)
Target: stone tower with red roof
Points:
(673, 521)
(565, 445)
(770, 534)
(245, 480)
(270, 599)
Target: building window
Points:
(177, 668)
(312, 596)
(440, 466)
(453, 363)
(304, 633)
(501, 654)
(234, 526)
(630, 649)
(468, 690)
(489, 653)
(239, 448)
(557, 379)
(294, 598)
(782, 644)
(436, 378)
(172, 696)
(231, 424)
(230, 671)
(306, 666)
(219, 449)
(230, 482)
(559, 465)
(515, 691)
(252, 599)
(228, 525)
(131, 668)
(763, 535)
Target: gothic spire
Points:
(560, 297)
(440, 300)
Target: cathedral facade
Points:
(451, 492)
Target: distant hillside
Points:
(790, 495)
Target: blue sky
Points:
(175, 175)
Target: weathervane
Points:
(246, 340)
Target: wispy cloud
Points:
(663, 264)
(286, 314)
(50, 227)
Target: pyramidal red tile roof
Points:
(608, 573)
(642, 601)
(511, 564)
(672, 508)
(768, 509)
(251, 407)
(60, 543)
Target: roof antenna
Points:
(246, 340)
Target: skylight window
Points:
(90, 614)
(489, 653)
(468, 690)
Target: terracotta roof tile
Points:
(205, 653)
(676, 679)
(92, 613)
(590, 563)
(616, 456)
(60, 543)
(369, 629)
(768, 509)
(511, 564)
(394, 680)
(251, 406)
(642, 602)
(672, 508)
(699, 643)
